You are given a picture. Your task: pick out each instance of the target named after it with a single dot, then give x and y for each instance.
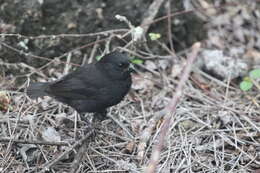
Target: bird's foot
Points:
(101, 116)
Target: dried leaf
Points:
(129, 147)
(51, 135)
(141, 83)
(4, 101)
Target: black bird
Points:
(91, 88)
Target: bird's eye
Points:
(122, 65)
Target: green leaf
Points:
(137, 61)
(98, 58)
(246, 85)
(247, 79)
(254, 74)
(154, 36)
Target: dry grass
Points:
(216, 127)
(214, 130)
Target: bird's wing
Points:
(81, 84)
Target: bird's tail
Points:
(37, 89)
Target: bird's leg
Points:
(84, 118)
(101, 115)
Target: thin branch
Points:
(53, 162)
(48, 59)
(150, 14)
(170, 110)
(105, 33)
(170, 26)
(78, 157)
(17, 141)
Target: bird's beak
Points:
(131, 68)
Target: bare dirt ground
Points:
(214, 126)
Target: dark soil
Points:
(53, 17)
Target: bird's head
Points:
(116, 64)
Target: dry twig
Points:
(51, 163)
(170, 110)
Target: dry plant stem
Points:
(75, 125)
(221, 83)
(105, 33)
(30, 55)
(17, 141)
(78, 158)
(48, 59)
(256, 84)
(122, 126)
(67, 65)
(190, 11)
(131, 52)
(94, 50)
(150, 14)
(107, 45)
(84, 60)
(171, 52)
(146, 134)
(22, 65)
(170, 110)
(48, 165)
(170, 26)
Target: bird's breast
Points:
(116, 91)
